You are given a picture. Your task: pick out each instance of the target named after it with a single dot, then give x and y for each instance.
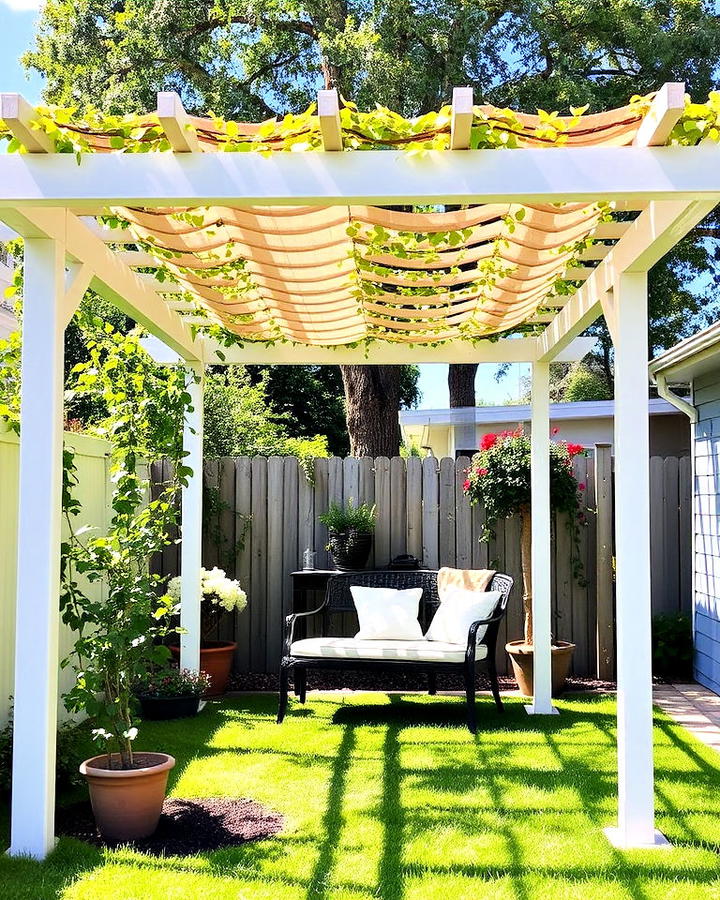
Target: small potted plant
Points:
(350, 533)
(220, 597)
(499, 477)
(171, 693)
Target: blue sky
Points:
(17, 20)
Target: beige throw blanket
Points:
(467, 579)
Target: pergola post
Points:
(540, 554)
(636, 827)
(38, 571)
(192, 513)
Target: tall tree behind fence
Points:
(262, 514)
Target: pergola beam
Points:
(665, 110)
(655, 231)
(462, 118)
(111, 277)
(18, 115)
(376, 177)
(328, 107)
(176, 124)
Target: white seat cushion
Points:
(353, 648)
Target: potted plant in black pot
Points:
(171, 693)
(350, 533)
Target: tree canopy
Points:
(252, 59)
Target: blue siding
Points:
(706, 392)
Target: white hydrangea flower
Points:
(216, 588)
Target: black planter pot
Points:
(159, 708)
(350, 549)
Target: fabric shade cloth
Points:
(338, 276)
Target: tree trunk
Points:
(372, 405)
(526, 561)
(461, 384)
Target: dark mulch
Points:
(395, 681)
(186, 826)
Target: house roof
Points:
(695, 355)
(511, 414)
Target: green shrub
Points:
(340, 518)
(73, 746)
(672, 646)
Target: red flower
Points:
(488, 441)
(575, 449)
(555, 430)
(581, 486)
(466, 485)
(482, 472)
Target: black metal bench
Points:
(338, 600)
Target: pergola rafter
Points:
(305, 290)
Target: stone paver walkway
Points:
(693, 706)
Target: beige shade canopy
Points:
(339, 275)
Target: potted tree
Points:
(109, 596)
(171, 693)
(350, 532)
(499, 477)
(221, 596)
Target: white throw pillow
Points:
(387, 614)
(456, 613)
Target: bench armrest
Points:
(472, 634)
(292, 619)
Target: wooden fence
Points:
(261, 514)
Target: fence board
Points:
(671, 536)
(243, 525)
(579, 628)
(685, 550)
(321, 504)
(382, 502)
(351, 480)
(227, 518)
(398, 507)
(463, 517)
(366, 492)
(306, 518)
(447, 512)
(657, 528)
(430, 513)
(414, 507)
(258, 542)
(275, 529)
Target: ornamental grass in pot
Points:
(499, 478)
(350, 534)
(221, 596)
(171, 693)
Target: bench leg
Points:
(492, 672)
(470, 701)
(432, 683)
(283, 699)
(300, 676)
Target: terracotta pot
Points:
(216, 658)
(127, 803)
(521, 657)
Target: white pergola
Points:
(51, 201)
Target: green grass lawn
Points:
(390, 797)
